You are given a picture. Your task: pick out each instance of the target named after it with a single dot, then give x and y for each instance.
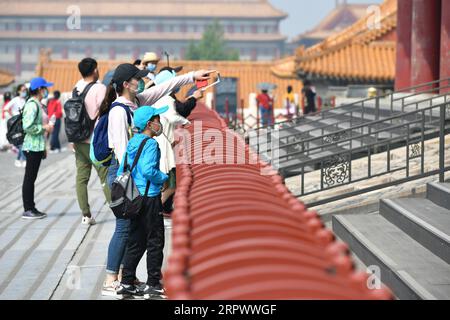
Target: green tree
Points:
(212, 47)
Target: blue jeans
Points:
(266, 116)
(54, 141)
(20, 154)
(118, 243)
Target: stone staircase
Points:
(408, 239)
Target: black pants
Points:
(31, 171)
(310, 108)
(146, 233)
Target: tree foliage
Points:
(212, 47)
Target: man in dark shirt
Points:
(310, 96)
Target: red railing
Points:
(239, 234)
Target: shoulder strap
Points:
(127, 109)
(37, 113)
(86, 90)
(138, 154)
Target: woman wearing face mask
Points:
(34, 144)
(14, 107)
(122, 98)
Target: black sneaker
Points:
(39, 212)
(154, 292)
(126, 291)
(33, 215)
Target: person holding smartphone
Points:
(122, 98)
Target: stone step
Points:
(422, 220)
(409, 269)
(439, 193)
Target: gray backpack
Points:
(126, 201)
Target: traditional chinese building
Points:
(341, 17)
(248, 74)
(124, 30)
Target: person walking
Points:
(34, 144)
(89, 72)
(310, 95)
(4, 122)
(265, 105)
(147, 229)
(54, 111)
(121, 99)
(14, 107)
(291, 108)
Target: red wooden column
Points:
(445, 42)
(404, 34)
(426, 37)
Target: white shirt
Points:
(118, 128)
(15, 105)
(170, 120)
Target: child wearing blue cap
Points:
(147, 230)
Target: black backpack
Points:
(15, 133)
(126, 201)
(77, 123)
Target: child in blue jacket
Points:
(147, 230)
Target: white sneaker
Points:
(111, 290)
(18, 163)
(88, 221)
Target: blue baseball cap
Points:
(143, 115)
(164, 76)
(39, 82)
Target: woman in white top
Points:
(123, 90)
(14, 107)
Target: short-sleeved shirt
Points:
(264, 100)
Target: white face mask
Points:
(159, 131)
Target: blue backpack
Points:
(100, 152)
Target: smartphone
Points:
(201, 84)
(204, 88)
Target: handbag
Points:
(126, 201)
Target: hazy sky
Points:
(306, 14)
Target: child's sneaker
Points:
(126, 291)
(154, 292)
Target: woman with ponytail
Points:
(121, 99)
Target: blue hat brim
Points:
(161, 110)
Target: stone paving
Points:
(57, 257)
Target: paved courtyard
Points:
(57, 257)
